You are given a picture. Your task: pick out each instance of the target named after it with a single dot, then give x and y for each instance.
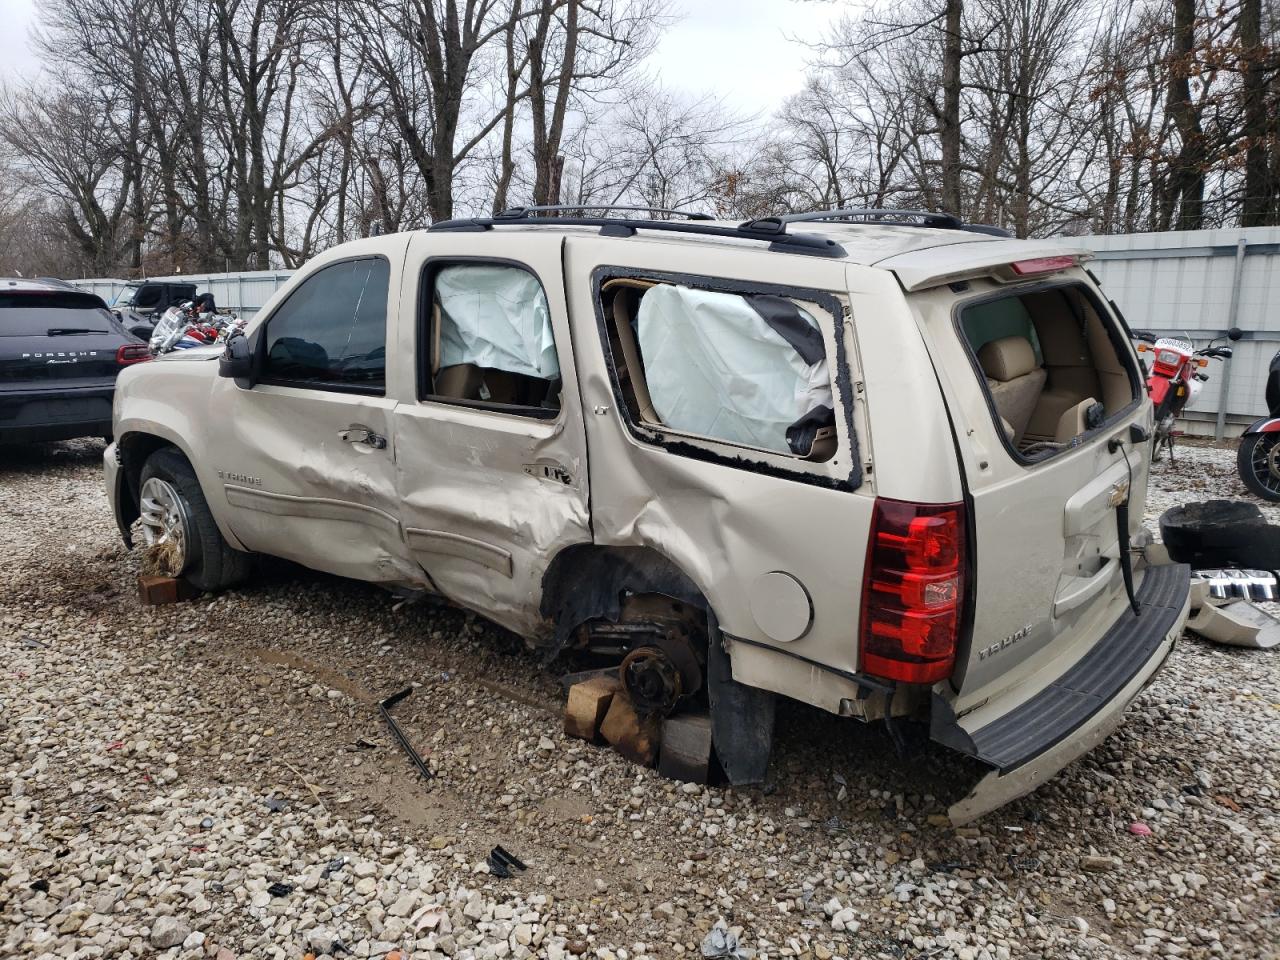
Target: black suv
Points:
(60, 352)
(141, 304)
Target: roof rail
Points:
(907, 218)
(522, 213)
(770, 230)
(927, 218)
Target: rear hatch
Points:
(57, 339)
(1043, 389)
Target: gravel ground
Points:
(211, 779)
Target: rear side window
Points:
(489, 341)
(51, 314)
(332, 331)
(746, 369)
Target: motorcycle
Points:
(183, 326)
(1176, 379)
(1258, 458)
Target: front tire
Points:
(1258, 461)
(177, 522)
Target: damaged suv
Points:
(881, 462)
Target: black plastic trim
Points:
(1070, 701)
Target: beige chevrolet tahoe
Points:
(882, 462)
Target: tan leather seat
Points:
(461, 382)
(1014, 379)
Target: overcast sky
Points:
(736, 49)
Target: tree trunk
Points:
(949, 126)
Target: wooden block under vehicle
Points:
(156, 590)
(633, 736)
(587, 705)
(686, 748)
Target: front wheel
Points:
(1258, 461)
(179, 528)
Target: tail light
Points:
(913, 591)
(1037, 265)
(132, 353)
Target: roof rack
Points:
(908, 218)
(770, 230)
(522, 213)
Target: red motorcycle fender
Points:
(1265, 425)
(1157, 387)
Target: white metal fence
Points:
(242, 293)
(1196, 284)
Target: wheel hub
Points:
(165, 525)
(652, 680)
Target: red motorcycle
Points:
(1176, 379)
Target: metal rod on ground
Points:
(384, 708)
(1224, 388)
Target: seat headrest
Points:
(1007, 358)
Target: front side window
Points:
(746, 369)
(332, 331)
(489, 339)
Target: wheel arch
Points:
(134, 447)
(587, 581)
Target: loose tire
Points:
(175, 512)
(1258, 461)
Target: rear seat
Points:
(1014, 379)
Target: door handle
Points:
(365, 436)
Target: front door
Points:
(306, 456)
(491, 459)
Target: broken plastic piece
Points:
(1139, 829)
(279, 889)
(1237, 624)
(501, 862)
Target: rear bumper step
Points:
(1091, 686)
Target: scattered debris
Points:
(1139, 829)
(721, 943)
(1237, 624)
(275, 804)
(279, 889)
(384, 708)
(501, 863)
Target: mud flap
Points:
(741, 716)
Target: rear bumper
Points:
(60, 413)
(1070, 716)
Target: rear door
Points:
(491, 455)
(1044, 495)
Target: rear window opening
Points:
(1053, 364)
(750, 370)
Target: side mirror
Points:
(236, 361)
(1146, 335)
(1235, 333)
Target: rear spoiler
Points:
(1002, 260)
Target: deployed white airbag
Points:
(497, 317)
(715, 368)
